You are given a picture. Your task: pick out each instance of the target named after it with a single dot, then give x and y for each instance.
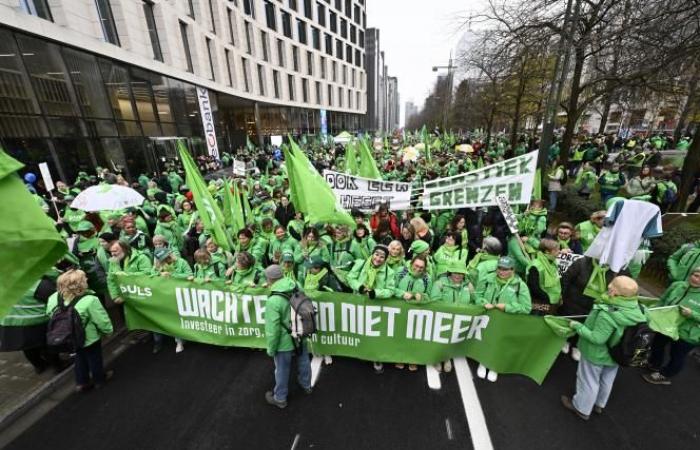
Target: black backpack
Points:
(303, 314)
(65, 332)
(634, 347)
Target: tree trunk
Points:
(691, 169)
(692, 93)
(605, 114)
(572, 112)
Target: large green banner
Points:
(349, 325)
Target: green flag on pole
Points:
(351, 159)
(29, 241)
(233, 209)
(209, 212)
(368, 167)
(312, 194)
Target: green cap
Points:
(418, 247)
(457, 267)
(84, 225)
(506, 262)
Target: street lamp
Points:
(450, 76)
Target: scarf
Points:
(371, 272)
(312, 281)
(597, 284)
(564, 244)
(394, 261)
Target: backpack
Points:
(303, 315)
(65, 332)
(634, 347)
(670, 194)
(564, 177)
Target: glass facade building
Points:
(76, 110)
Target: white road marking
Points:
(433, 377)
(472, 407)
(296, 442)
(316, 363)
(449, 429)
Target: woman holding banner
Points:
(543, 278)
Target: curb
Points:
(53, 384)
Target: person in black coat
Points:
(284, 212)
(565, 235)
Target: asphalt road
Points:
(212, 398)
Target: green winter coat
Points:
(179, 269)
(512, 292)
(172, 233)
(533, 223)
(520, 258)
(92, 314)
(255, 248)
(278, 318)
(212, 271)
(28, 311)
(244, 279)
(481, 266)
(341, 254)
(444, 290)
(406, 281)
(384, 281)
(604, 327)
(682, 294)
(683, 260)
(277, 246)
(587, 232)
(362, 249)
(449, 256)
(137, 263)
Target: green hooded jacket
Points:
(406, 281)
(445, 290)
(682, 294)
(683, 260)
(92, 314)
(449, 256)
(512, 292)
(383, 281)
(137, 263)
(278, 318)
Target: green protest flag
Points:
(234, 216)
(313, 195)
(368, 166)
(665, 320)
(209, 211)
(28, 238)
(559, 326)
(351, 159)
(537, 186)
(390, 330)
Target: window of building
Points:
(323, 67)
(246, 74)
(309, 63)
(321, 14)
(329, 44)
(308, 9)
(352, 78)
(109, 28)
(286, 24)
(353, 34)
(229, 69)
(339, 5)
(361, 38)
(265, 46)
(304, 90)
(316, 38)
(152, 31)
(357, 58)
(211, 16)
(281, 54)
(210, 54)
(249, 7)
(349, 99)
(301, 31)
(339, 49)
(186, 46)
(276, 83)
(293, 5)
(348, 8)
(333, 20)
(319, 98)
(261, 79)
(295, 58)
(357, 100)
(343, 28)
(290, 81)
(231, 27)
(270, 15)
(330, 95)
(38, 8)
(345, 74)
(348, 53)
(334, 71)
(356, 15)
(190, 8)
(249, 38)
(340, 96)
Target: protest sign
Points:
(512, 178)
(508, 213)
(239, 168)
(390, 330)
(365, 194)
(565, 260)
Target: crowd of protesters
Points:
(463, 256)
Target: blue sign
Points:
(324, 122)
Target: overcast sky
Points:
(416, 35)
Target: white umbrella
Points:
(107, 197)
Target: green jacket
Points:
(255, 248)
(244, 279)
(137, 263)
(92, 315)
(384, 279)
(278, 247)
(179, 269)
(364, 248)
(513, 293)
(587, 232)
(213, 271)
(341, 254)
(683, 260)
(682, 294)
(447, 256)
(323, 281)
(520, 258)
(26, 312)
(172, 233)
(549, 285)
(406, 281)
(481, 266)
(278, 318)
(604, 327)
(533, 222)
(444, 290)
